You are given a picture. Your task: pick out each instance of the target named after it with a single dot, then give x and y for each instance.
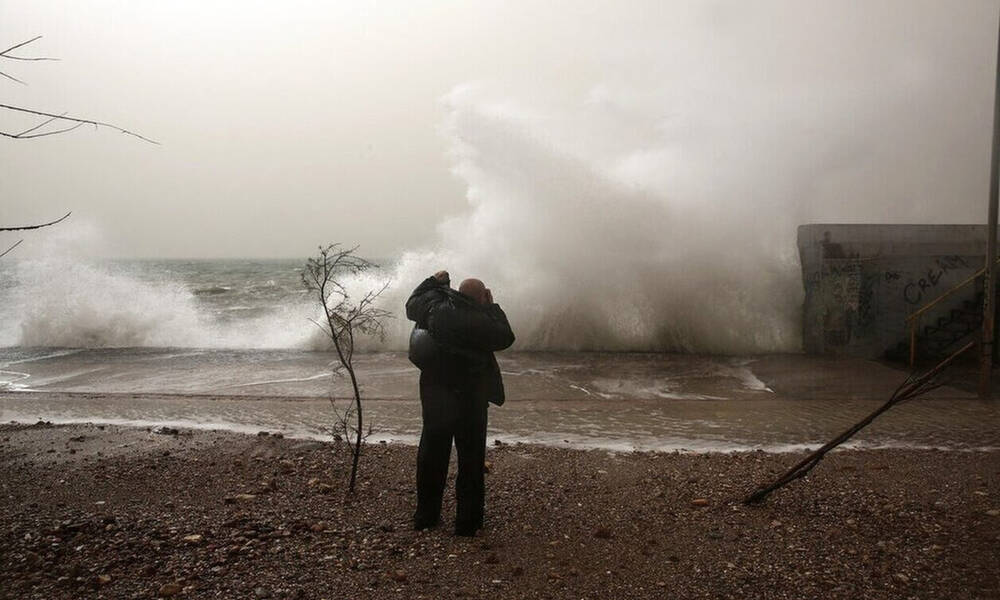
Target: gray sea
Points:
(229, 344)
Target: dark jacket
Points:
(467, 334)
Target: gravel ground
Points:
(108, 512)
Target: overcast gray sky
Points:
(289, 124)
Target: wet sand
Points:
(118, 512)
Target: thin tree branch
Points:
(5, 54)
(29, 58)
(26, 227)
(320, 327)
(18, 243)
(24, 135)
(12, 78)
(21, 136)
(76, 120)
(40, 125)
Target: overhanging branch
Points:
(26, 227)
(6, 53)
(7, 251)
(54, 117)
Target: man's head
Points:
(475, 289)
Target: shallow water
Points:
(385, 375)
(592, 400)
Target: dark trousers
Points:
(451, 412)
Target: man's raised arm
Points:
(423, 297)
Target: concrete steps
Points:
(937, 340)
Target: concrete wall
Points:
(862, 281)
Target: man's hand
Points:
(443, 277)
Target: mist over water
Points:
(586, 248)
(656, 208)
(648, 201)
(585, 252)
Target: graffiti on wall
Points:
(849, 289)
(841, 289)
(915, 290)
(853, 295)
(861, 283)
(867, 308)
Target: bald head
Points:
(475, 289)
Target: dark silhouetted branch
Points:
(912, 387)
(22, 136)
(26, 227)
(40, 125)
(12, 78)
(70, 119)
(16, 244)
(6, 53)
(27, 133)
(34, 132)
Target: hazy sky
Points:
(288, 124)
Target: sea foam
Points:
(78, 303)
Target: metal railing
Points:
(913, 320)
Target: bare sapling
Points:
(346, 318)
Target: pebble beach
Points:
(103, 511)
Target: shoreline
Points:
(120, 512)
(773, 422)
(494, 438)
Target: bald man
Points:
(459, 377)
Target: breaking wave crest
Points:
(590, 251)
(83, 304)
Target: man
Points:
(467, 327)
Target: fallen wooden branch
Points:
(911, 388)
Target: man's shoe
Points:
(422, 524)
(465, 531)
